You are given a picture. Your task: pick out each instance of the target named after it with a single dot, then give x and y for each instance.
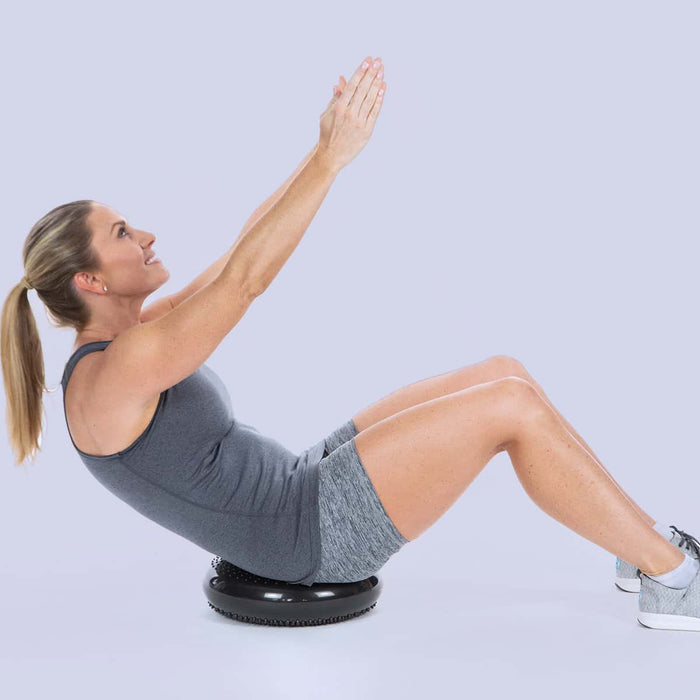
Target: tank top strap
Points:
(81, 352)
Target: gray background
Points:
(530, 189)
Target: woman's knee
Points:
(523, 406)
(506, 366)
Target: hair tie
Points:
(25, 282)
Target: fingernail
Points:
(364, 65)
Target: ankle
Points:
(681, 576)
(675, 557)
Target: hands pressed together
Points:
(348, 120)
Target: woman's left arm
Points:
(163, 306)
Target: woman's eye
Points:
(121, 228)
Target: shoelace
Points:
(688, 541)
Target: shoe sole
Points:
(629, 585)
(659, 621)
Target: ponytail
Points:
(58, 246)
(23, 374)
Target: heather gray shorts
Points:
(357, 535)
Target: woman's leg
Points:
(491, 369)
(421, 459)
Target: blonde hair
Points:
(58, 246)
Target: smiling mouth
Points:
(152, 261)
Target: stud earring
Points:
(104, 287)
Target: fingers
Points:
(337, 89)
(352, 86)
(376, 107)
(373, 97)
(361, 94)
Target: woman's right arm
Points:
(148, 358)
(345, 129)
(267, 245)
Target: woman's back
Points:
(215, 481)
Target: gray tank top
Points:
(219, 483)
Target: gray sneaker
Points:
(664, 608)
(627, 575)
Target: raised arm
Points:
(213, 270)
(162, 306)
(147, 358)
(274, 236)
(345, 129)
(346, 126)
(265, 206)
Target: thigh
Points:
(488, 370)
(421, 459)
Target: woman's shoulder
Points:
(103, 416)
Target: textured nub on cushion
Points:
(243, 596)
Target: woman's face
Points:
(122, 251)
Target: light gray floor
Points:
(546, 624)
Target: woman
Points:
(154, 423)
